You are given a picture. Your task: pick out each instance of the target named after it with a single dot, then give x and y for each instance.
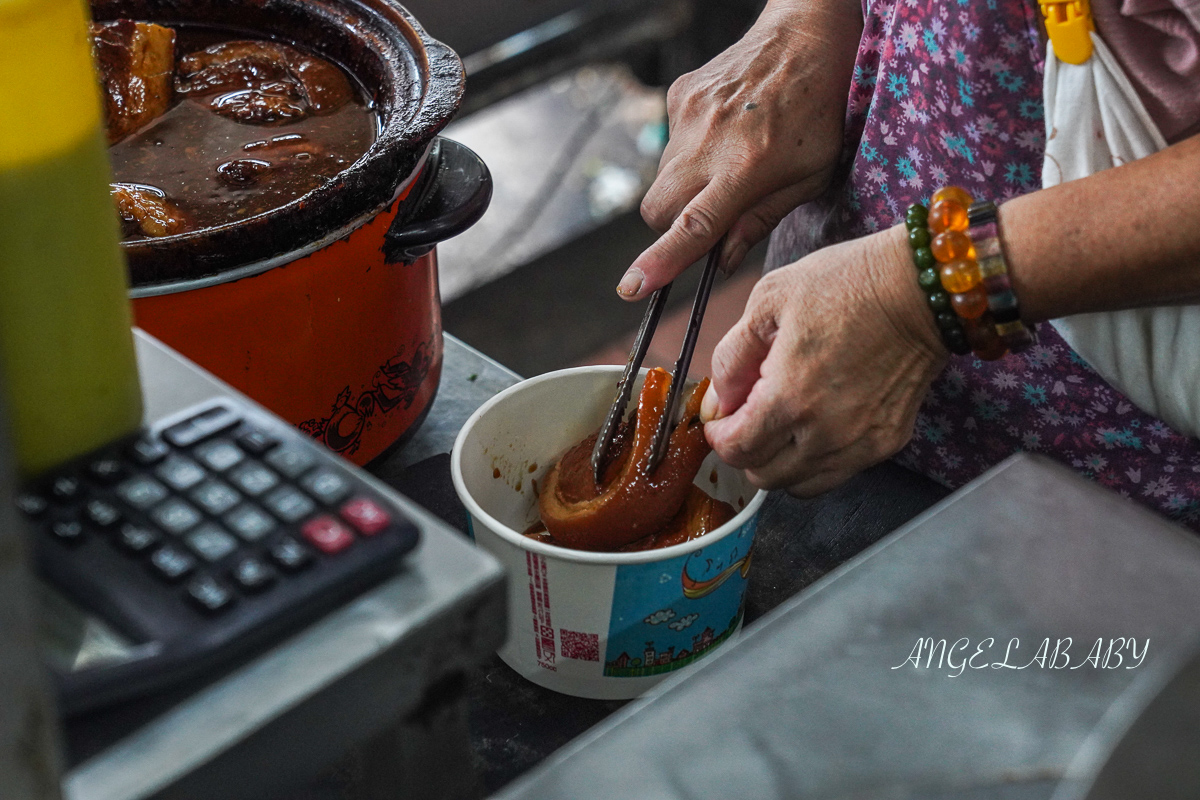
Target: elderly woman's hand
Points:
(823, 374)
(754, 133)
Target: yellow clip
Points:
(1069, 24)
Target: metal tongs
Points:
(658, 301)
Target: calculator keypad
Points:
(65, 489)
(366, 516)
(253, 479)
(208, 594)
(136, 538)
(252, 575)
(176, 516)
(67, 530)
(290, 460)
(32, 505)
(102, 513)
(327, 534)
(255, 441)
(214, 508)
(202, 426)
(290, 555)
(172, 563)
(180, 473)
(215, 497)
(106, 470)
(325, 485)
(142, 492)
(211, 542)
(147, 451)
(289, 504)
(219, 454)
(250, 522)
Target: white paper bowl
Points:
(583, 623)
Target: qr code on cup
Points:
(579, 646)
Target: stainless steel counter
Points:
(825, 698)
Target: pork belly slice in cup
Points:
(631, 503)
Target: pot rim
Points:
(565, 553)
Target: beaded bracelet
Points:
(953, 335)
(984, 229)
(949, 221)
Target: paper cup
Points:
(599, 625)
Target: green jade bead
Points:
(939, 301)
(929, 280)
(923, 258)
(916, 217)
(956, 341)
(947, 320)
(918, 237)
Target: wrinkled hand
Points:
(824, 373)
(753, 134)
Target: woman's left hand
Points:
(824, 373)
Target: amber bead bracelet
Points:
(949, 222)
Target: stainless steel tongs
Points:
(658, 301)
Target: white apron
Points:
(1152, 354)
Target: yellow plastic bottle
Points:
(66, 347)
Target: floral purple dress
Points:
(950, 92)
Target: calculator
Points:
(213, 532)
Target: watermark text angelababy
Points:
(957, 657)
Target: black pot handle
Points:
(452, 192)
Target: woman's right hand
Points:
(825, 371)
(753, 134)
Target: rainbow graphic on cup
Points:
(659, 625)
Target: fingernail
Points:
(631, 283)
(710, 406)
(733, 259)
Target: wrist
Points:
(791, 9)
(1122, 238)
(1013, 217)
(830, 29)
(893, 276)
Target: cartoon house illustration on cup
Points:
(657, 607)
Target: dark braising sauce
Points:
(215, 169)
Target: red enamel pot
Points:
(326, 310)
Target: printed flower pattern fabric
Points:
(943, 92)
(950, 92)
(1048, 400)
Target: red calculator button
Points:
(327, 535)
(366, 515)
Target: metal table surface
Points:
(823, 698)
(362, 683)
